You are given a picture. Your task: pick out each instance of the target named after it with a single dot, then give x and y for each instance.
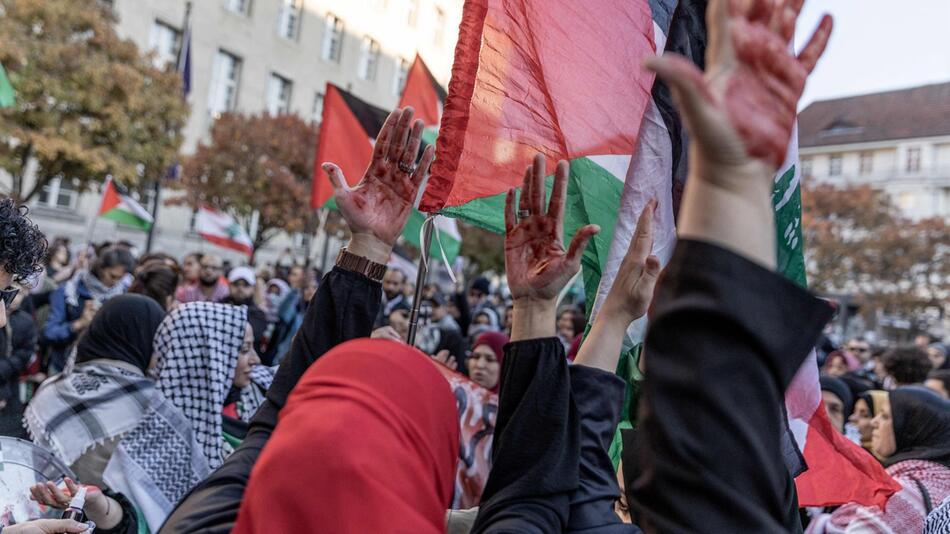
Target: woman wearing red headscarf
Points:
(484, 362)
(371, 433)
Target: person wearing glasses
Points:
(22, 249)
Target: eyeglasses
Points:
(8, 295)
(859, 349)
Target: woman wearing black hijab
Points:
(911, 437)
(81, 413)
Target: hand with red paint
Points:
(377, 208)
(536, 263)
(741, 112)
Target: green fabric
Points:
(124, 217)
(7, 95)
(628, 368)
(787, 201)
(232, 440)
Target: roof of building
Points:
(903, 114)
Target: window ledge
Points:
(62, 214)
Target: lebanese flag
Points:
(221, 229)
(348, 129)
(118, 206)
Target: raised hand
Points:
(628, 299)
(377, 208)
(536, 263)
(743, 109)
(47, 526)
(632, 291)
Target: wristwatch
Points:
(358, 264)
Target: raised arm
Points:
(727, 333)
(344, 308)
(536, 448)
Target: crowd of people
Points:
(193, 396)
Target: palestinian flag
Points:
(588, 100)
(7, 95)
(346, 120)
(118, 206)
(426, 97)
(221, 229)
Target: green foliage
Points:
(88, 104)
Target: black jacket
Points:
(344, 308)
(17, 344)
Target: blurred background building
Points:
(897, 142)
(253, 56)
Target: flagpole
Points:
(420, 278)
(157, 189)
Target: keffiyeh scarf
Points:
(180, 440)
(85, 406)
(99, 292)
(256, 392)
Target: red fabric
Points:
(110, 197)
(343, 141)
(844, 473)
(560, 77)
(420, 94)
(368, 442)
(478, 412)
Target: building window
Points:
(278, 94)
(225, 80)
(316, 114)
(242, 7)
(332, 38)
(806, 167)
(439, 26)
(834, 165)
(866, 165)
(165, 42)
(369, 59)
(402, 72)
(913, 159)
(59, 193)
(289, 20)
(412, 13)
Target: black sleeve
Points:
(129, 523)
(536, 448)
(343, 308)
(24, 344)
(725, 341)
(598, 396)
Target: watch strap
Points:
(358, 264)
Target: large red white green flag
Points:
(564, 78)
(559, 77)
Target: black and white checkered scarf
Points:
(256, 392)
(180, 440)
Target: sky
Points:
(877, 45)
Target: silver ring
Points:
(523, 214)
(406, 168)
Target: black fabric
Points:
(598, 396)
(123, 329)
(537, 444)
(257, 318)
(841, 390)
(344, 308)
(726, 339)
(129, 523)
(921, 425)
(20, 338)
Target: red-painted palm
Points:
(745, 103)
(536, 264)
(381, 202)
